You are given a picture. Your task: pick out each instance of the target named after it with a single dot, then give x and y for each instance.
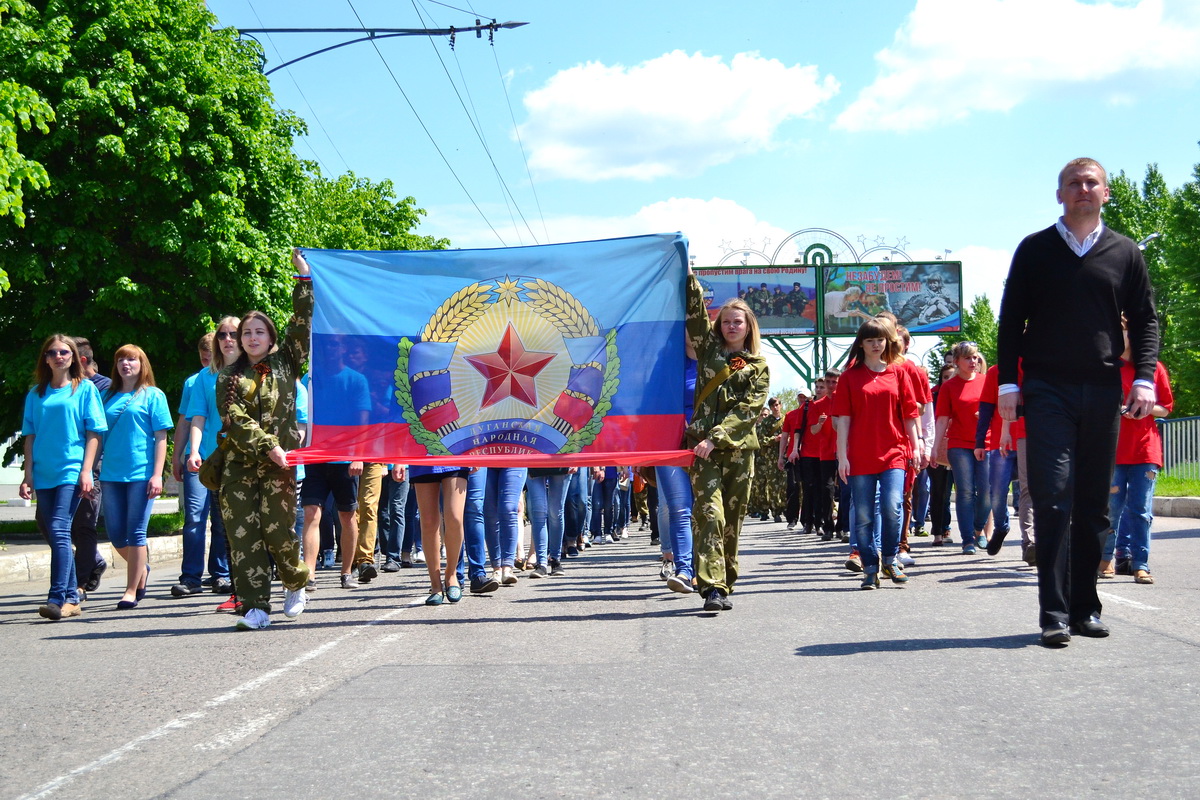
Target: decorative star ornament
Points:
(511, 371)
(508, 291)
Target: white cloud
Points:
(674, 115)
(954, 57)
(706, 223)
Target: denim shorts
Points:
(321, 479)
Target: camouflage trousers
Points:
(258, 506)
(721, 484)
(768, 494)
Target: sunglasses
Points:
(226, 334)
(58, 352)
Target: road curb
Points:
(35, 565)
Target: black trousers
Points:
(830, 484)
(1071, 440)
(795, 489)
(810, 477)
(83, 533)
(939, 499)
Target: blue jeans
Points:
(1131, 510)
(126, 512)
(393, 504)
(55, 507)
(501, 509)
(474, 539)
(920, 504)
(579, 503)
(1001, 464)
(675, 516)
(547, 499)
(412, 523)
(198, 504)
(970, 492)
(625, 496)
(871, 546)
(603, 506)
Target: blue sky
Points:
(934, 124)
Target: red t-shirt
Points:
(818, 445)
(1139, 441)
(991, 394)
(791, 427)
(959, 400)
(920, 381)
(877, 404)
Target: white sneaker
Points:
(905, 559)
(677, 583)
(293, 603)
(608, 539)
(255, 619)
(666, 570)
(419, 557)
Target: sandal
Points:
(937, 540)
(1143, 576)
(1106, 570)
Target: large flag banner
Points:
(552, 355)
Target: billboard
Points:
(926, 296)
(783, 298)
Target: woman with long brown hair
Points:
(135, 453)
(257, 401)
(62, 424)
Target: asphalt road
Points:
(602, 684)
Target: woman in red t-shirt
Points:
(957, 413)
(1139, 459)
(875, 414)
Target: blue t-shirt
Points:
(133, 419)
(302, 418)
(202, 402)
(59, 422)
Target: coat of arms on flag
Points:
(502, 357)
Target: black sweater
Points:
(1062, 313)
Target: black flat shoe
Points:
(1056, 635)
(1091, 627)
(994, 544)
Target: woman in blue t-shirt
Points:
(135, 452)
(62, 424)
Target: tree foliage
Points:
(979, 325)
(353, 213)
(172, 195)
(1173, 260)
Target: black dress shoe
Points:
(1092, 626)
(994, 544)
(1056, 635)
(93, 581)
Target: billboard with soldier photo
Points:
(926, 296)
(783, 298)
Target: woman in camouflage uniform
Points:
(257, 397)
(731, 387)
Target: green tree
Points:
(21, 108)
(1173, 261)
(979, 325)
(352, 213)
(173, 187)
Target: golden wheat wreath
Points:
(462, 309)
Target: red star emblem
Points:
(511, 370)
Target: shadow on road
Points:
(1015, 642)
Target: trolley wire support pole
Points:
(379, 33)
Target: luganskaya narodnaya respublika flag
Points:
(569, 354)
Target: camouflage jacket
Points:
(768, 432)
(255, 425)
(729, 413)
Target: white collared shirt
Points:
(1077, 247)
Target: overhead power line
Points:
(424, 127)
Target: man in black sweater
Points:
(1061, 318)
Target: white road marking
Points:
(232, 737)
(179, 723)
(1116, 598)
